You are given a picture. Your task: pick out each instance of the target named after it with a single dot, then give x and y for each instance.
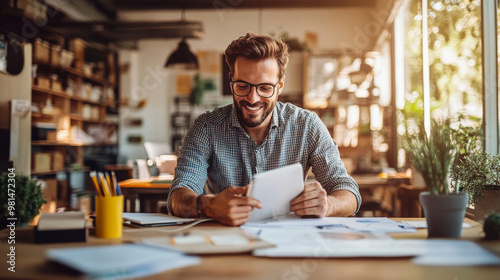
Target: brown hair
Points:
(257, 47)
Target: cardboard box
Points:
(56, 85)
(43, 82)
(41, 162)
(77, 46)
(51, 135)
(41, 51)
(58, 160)
(55, 55)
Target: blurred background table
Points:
(148, 192)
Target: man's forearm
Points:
(184, 203)
(341, 203)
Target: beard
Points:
(252, 120)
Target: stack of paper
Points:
(120, 261)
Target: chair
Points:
(408, 201)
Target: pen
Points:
(405, 226)
(115, 183)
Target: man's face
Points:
(255, 111)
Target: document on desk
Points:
(455, 253)
(120, 261)
(423, 224)
(199, 241)
(162, 179)
(314, 243)
(310, 243)
(383, 225)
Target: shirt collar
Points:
(236, 123)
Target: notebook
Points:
(154, 219)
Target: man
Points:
(226, 147)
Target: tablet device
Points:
(275, 189)
(154, 219)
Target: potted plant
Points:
(478, 174)
(23, 195)
(433, 155)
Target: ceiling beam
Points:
(230, 4)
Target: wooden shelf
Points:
(40, 115)
(98, 80)
(71, 144)
(76, 72)
(93, 102)
(76, 117)
(48, 172)
(38, 89)
(103, 144)
(56, 143)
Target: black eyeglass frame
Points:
(256, 88)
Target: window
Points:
(448, 70)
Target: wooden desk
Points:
(147, 192)
(31, 262)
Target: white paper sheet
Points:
(455, 253)
(423, 224)
(120, 261)
(384, 225)
(427, 252)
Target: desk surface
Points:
(31, 263)
(152, 182)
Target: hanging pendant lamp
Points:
(182, 57)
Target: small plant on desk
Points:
(20, 198)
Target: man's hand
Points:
(230, 207)
(313, 201)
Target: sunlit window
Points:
(454, 54)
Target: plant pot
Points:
(444, 213)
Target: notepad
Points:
(154, 219)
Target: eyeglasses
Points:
(241, 88)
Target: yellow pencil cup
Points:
(108, 216)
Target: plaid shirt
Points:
(218, 152)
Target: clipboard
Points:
(275, 189)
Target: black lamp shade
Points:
(182, 55)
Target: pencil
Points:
(110, 186)
(105, 188)
(94, 181)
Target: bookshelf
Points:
(74, 107)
